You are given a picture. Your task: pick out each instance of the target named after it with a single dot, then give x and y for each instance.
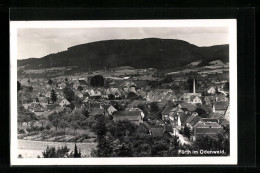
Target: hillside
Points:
(143, 53)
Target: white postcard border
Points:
(206, 160)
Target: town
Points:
(145, 113)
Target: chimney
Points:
(194, 87)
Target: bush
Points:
(48, 127)
(21, 131)
(56, 153)
(34, 128)
(59, 133)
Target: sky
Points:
(39, 42)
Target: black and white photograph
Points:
(125, 92)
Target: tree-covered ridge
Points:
(143, 53)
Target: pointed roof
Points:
(187, 106)
(157, 131)
(193, 119)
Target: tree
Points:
(167, 79)
(226, 86)
(29, 89)
(42, 119)
(63, 124)
(175, 141)
(212, 142)
(77, 102)
(100, 126)
(187, 131)
(50, 82)
(154, 107)
(159, 147)
(53, 153)
(53, 96)
(132, 95)
(124, 150)
(104, 148)
(80, 88)
(54, 120)
(111, 97)
(69, 93)
(19, 86)
(97, 81)
(77, 154)
(201, 112)
(75, 125)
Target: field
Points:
(31, 149)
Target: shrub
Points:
(34, 129)
(48, 127)
(59, 133)
(21, 131)
(56, 153)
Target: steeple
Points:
(194, 87)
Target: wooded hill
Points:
(138, 53)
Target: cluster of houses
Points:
(175, 110)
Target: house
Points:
(192, 120)
(95, 94)
(156, 130)
(48, 94)
(187, 107)
(61, 85)
(206, 128)
(132, 89)
(220, 107)
(144, 128)
(136, 109)
(159, 131)
(132, 116)
(82, 82)
(85, 100)
(211, 90)
(227, 114)
(175, 115)
(114, 91)
(136, 103)
(214, 117)
(209, 100)
(171, 96)
(163, 91)
(195, 100)
(141, 93)
(111, 109)
(163, 103)
(79, 94)
(51, 107)
(187, 96)
(76, 84)
(222, 98)
(43, 101)
(36, 107)
(169, 111)
(224, 123)
(63, 102)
